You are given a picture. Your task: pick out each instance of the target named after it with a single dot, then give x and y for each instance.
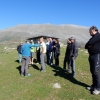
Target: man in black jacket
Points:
(67, 55)
(93, 47)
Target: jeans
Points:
(19, 57)
(72, 63)
(51, 57)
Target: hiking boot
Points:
(96, 92)
(27, 75)
(43, 70)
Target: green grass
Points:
(39, 86)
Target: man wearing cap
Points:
(73, 55)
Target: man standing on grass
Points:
(26, 57)
(51, 51)
(42, 54)
(67, 55)
(93, 47)
(73, 55)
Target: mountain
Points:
(63, 32)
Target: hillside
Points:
(22, 32)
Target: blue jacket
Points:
(25, 50)
(51, 46)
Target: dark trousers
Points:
(57, 60)
(94, 61)
(47, 56)
(66, 60)
(38, 56)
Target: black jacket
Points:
(68, 49)
(19, 48)
(57, 49)
(93, 45)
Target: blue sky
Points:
(78, 12)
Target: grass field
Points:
(39, 86)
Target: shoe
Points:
(43, 70)
(22, 75)
(90, 88)
(32, 63)
(51, 64)
(68, 71)
(27, 75)
(64, 70)
(96, 92)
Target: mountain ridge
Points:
(62, 31)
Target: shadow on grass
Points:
(60, 72)
(19, 69)
(17, 61)
(35, 67)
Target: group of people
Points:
(45, 52)
(51, 49)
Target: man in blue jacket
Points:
(26, 57)
(93, 47)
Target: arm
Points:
(42, 49)
(94, 39)
(34, 45)
(17, 48)
(75, 50)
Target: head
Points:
(38, 41)
(21, 43)
(41, 39)
(93, 30)
(69, 40)
(50, 39)
(27, 41)
(47, 39)
(31, 41)
(72, 39)
(56, 41)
